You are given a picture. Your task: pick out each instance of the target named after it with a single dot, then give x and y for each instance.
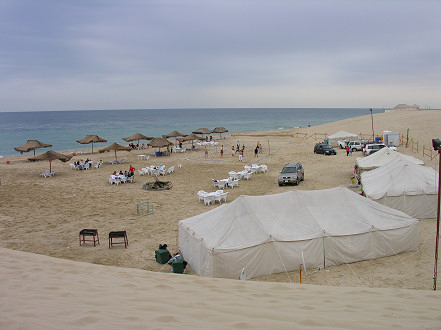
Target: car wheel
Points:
(354, 150)
(280, 184)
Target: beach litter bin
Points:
(178, 266)
(162, 256)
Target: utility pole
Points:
(372, 120)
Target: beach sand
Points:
(44, 216)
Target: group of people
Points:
(86, 164)
(125, 174)
(258, 149)
(137, 146)
(238, 150)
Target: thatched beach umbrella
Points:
(50, 156)
(91, 139)
(137, 136)
(173, 134)
(202, 130)
(190, 137)
(115, 147)
(220, 130)
(159, 143)
(32, 145)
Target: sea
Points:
(63, 128)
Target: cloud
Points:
(126, 54)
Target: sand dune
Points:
(40, 292)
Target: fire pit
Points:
(157, 185)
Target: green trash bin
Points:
(178, 266)
(162, 256)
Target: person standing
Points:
(240, 155)
(206, 152)
(232, 151)
(256, 151)
(222, 151)
(347, 150)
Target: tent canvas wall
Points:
(382, 157)
(404, 186)
(342, 135)
(267, 234)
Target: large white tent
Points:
(342, 135)
(268, 234)
(404, 186)
(383, 157)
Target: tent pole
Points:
(435, 271)
(324, 253)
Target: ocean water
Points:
(63, 128)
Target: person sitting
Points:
(114, 175)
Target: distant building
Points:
(405, 107)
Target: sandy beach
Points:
(41, 218)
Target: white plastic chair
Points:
(234, 183)
(141, 172)
(46, 174)
(170, 170)
(263, 168)
(201, 195)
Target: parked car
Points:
(370, 148)
(326, 149)
(343, 143)
(356, 145)
(291, 173)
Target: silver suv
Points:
(291, 173)
(356, 145)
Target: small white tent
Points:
(342, 135)
(383, 157)
(267, 234)
(404, 186)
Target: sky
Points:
(144, 54)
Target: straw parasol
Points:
(190, 137)
(159, 143)
(32, 145)
(115, 147)
(50, 156)
(137, 136)
(91, 139)
(202, 130)
(220, 130)
(173, 134)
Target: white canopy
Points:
(404, 186)
(342, 135)
(382, 157)
(267, 234)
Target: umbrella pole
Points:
(92, 148)
(115, 155)
(34, 152)
(50, 167)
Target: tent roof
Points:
(292, 216)
(342, 134)
(397, 177)
(382, 157)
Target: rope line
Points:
(347, 264)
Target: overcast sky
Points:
(141, 54)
